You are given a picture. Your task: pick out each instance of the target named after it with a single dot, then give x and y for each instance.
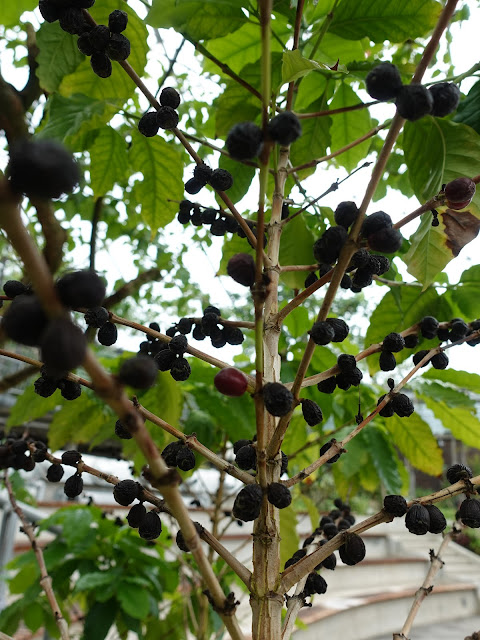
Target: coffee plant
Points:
(110, 143)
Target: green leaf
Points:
(289, 540)
(461, 422)
(34, 616)
(29, 405)
(244, 46)
(337, 48)
(109, 161)
(118, 85)
(431, 147)
(428, 253)
(243, 174)
(445, 393)
(133, 600)
(296, 248)
(296, 66)
(467, 293)
(161, 166)
(468, 111)
(164, 399)
(95, 580)
(196, 20)
(234, 105)
(461, 379)
(384, 458)
(99, 619)
(349, 126)
(315, 137)
(77, 525)
(57, 57)
(69, 120)
(416, 442)
(384, 19)
(12, 11)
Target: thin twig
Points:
(427, 586)
(45, 579)
(347, 147)
(97, 210)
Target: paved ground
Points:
(453, 630)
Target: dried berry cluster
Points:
(399, 404)
(166, 356)
(103, 43)
(15, 454)
(210, 325)
(413, 101)
(106, 43)
(46, 386)
(349, 375)
(219, 222)
(166, 117)
(178, 454)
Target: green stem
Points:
(323, 29)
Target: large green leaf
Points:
(384, 458)
(468, 110)
(428, 253)
(234, 105)
(58, 55)
(461, 379)
(445, 393)
(384, 19)
(461, 422)
(415, 440)
(437, 151)
(30, 405)
(338, 48)
(109, 161)
(161, 166)
(69, 120)
(289, 541)
(296, 248)
(197, 20)
(99, 619)
(349, 126)
(243, 46)
(133, 600)
(315, 137)
(467, 293)
(118, 85)
(11, 11)
(95, 580)
(243, 173)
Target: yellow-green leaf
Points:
(349, 126)
(161, 166)
(461, 422)
(295, 66)
(416, 441)
(109, 161)
(296, 248)
(58, 55)
(289, 541)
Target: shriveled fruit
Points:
(126, 491)
(81, 289)
(437, 519)
(312, 413)
(353, 550)
(284, 128)
(244, 140)
(469, 513)
(417, 520)
(73, 486)
(396, 505)
(246, 457)
(279, 495)
(446, 96)
(136, 515)
(241, 267)
(248, 503)
(277, 398)
(150, 527)
(458, 472)
(325, 448)
(322, 333)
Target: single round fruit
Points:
(383, 81)
(446, 97)
(414, 101)
(459, 192)
(231, 382)
(42, 168)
